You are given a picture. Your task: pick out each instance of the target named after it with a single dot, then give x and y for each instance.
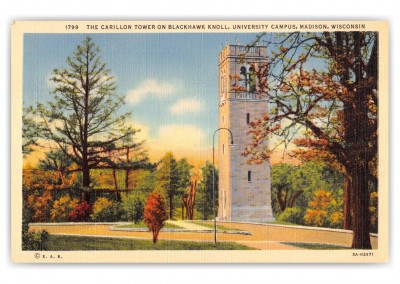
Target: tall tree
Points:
(143, 181)
(308, 152)
(29, 133)
(173, 178)
(204, 204)
(186, 193)
(189, 201)
(295, 186)
(167, 181)
(82, 119)
(183, 169)
(336, 105)
(284, 194)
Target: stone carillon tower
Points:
(244, 189)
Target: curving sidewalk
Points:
(263, 236)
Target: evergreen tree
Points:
(167, 181)
(82, 118)
(204, 203)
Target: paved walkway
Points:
(188, 225)
(262, 236)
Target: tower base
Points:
(257, 214)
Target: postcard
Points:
(200, 141)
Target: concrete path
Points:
(188, 225)
(263, 236)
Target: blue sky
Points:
(170, 80)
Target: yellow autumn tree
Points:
(323, 211)
(62, 207)
(101, 204)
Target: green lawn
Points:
(69, 243)
(143, 225)
(316, 246)
(211, 226)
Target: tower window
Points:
(248, 118)
(244, 73)
(252, 80)
(223, 85)
(249, 176)
(223, 148)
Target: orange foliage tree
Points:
(62, 208)
(313, 150)
(40, 207)
(155, 214)
(323, 211)
(337, 105)
(38, 186)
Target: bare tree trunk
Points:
(127, 171)
(358, 157)
(286, 197)
(294, 198)
(115, 179)
(127, 174)
(281, 204)
(183, 211)
(171, 209)
(361, 220)
(85, 183)
(155, 236)
(117, 194)
(347, 200)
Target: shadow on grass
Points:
(316, 246)
(142, 225)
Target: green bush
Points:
(34, 240)
(292, 215)
(101, 204)
(133, 207)
(112, 213)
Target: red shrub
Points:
(81, 212)
(155, 213)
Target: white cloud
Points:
(151, 87)
(186, 106)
